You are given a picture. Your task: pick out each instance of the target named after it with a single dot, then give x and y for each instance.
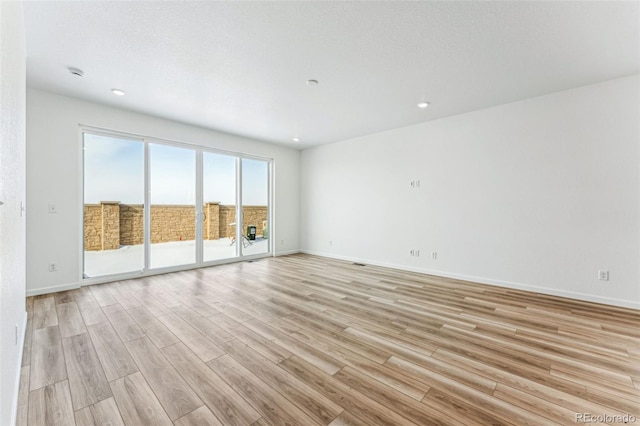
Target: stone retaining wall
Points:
(172, 223)
(131, 224)
(109, 225)
(92, 227)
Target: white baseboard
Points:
(518, 286)
(14, 403)
(52, 289)
(286, 253)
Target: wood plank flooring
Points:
(304, 340)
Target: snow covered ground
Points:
(131, 258)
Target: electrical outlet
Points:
(417, 251)
(434, 255)
(53, 267)
(603, 275)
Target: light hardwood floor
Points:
(304, 340)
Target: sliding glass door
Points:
(255, 206)
(219, 209)
(152, 206)
(172, 198)
(113, 205)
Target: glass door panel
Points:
(113, 205)
(172, 189)
(219, 206)
(150, 205)
(255, 206)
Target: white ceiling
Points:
(241, 67)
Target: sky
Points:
(114, 171)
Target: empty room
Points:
(306, 213)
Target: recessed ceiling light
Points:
(312, 82)
(76, 71)
(117, 92)
(296, 139)
(423, 105)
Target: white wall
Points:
(54, 176)
(12, 194)
(538, 194)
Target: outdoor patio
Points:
(131, 257)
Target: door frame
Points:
(199, 151)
